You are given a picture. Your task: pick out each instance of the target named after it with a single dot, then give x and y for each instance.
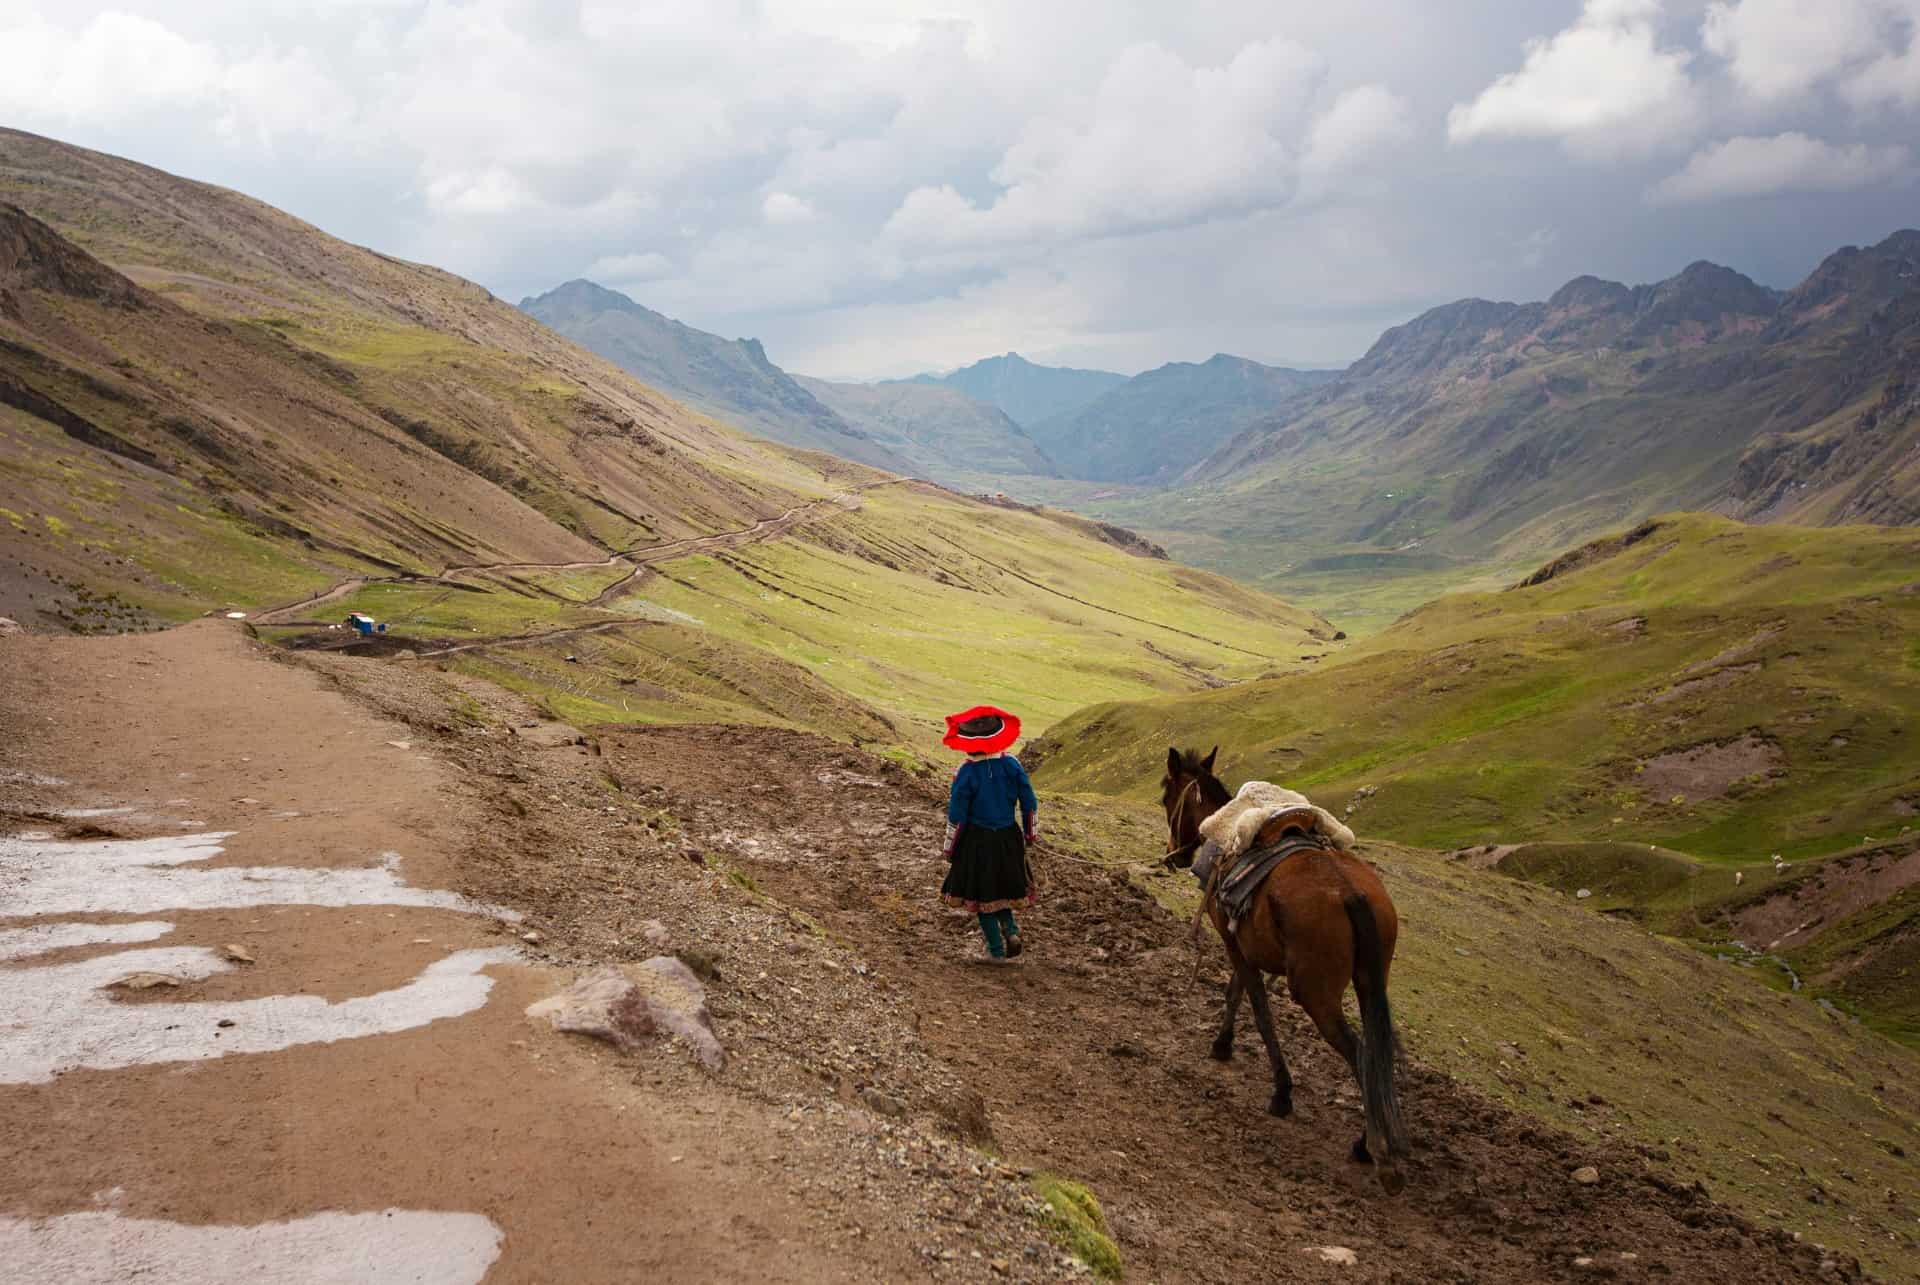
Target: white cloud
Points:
(784, 207)
(1603, 86)
(1779, 48)
(1792, 162)
(1892, 78)
(115, 65)
(913, 179)
(1362, 121)
(1161, 142)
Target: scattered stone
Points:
(1585, 1175)
(238, 954)
(146, 981)
(401, 745)
(655, 932)
(1336, 1254)
(10, 627)
(633, 1005)
(1583, 1261)
(882, 1104)
(532, 938)
(1584, 893)
(224, 1023)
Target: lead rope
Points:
(1206, 890)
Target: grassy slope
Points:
(1531, 713)
(351, 409)
(318, 411)
(1551, 715)
(919, 603)
(1521, 991)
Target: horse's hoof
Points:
(1360, 1155)
(1282, 1105)
(1222, 1050)
(1392, 1180)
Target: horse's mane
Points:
(1194, 763)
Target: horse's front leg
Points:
(1222, 1050)
(1282, 1104)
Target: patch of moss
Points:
(1075, 1219)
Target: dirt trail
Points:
(1089, 1059)
(639, 558)
(289, 821)
(798, 875)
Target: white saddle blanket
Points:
(1234, 827)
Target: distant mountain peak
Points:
(1025, 390)
(731, 379)
(581, 294)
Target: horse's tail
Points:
(1386, 1134)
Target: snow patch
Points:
(41, 876)
(417, 1246)
(59, 1018)
(18, 943)
(17, 777)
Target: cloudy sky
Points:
(874, 187)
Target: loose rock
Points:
(634, 1005)
(1585, 1175)
(146, 981)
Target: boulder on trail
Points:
(634, 1005)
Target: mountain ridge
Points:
(1026, 391)
(732, 379)
(943, 433)
(1483, 433)
(1151, 428)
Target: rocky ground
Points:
(885, 1102)
(800, 874)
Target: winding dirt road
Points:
(638, 558)
(334, 1081)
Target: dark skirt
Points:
(989, 871)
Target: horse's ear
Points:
(1207, 762)
(1173, 762)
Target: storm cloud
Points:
(874, 188)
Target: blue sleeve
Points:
(960, 796)
(1029, 804)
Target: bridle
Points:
(1179, 813)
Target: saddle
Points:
(1283, 836)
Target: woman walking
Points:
(986, 844)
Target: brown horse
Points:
(1322, 918)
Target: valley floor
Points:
(885, 1101)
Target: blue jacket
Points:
(985, 791)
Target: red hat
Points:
(981, 730)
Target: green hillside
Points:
(1724, 690)
(208, 405)
(1643, 718)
